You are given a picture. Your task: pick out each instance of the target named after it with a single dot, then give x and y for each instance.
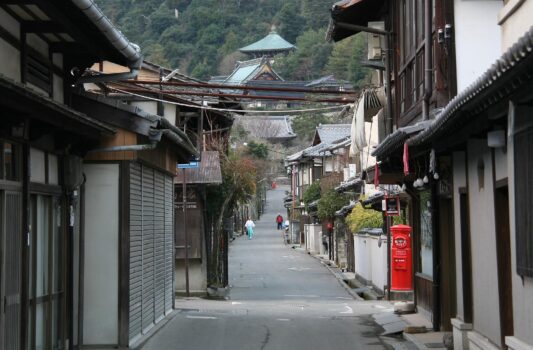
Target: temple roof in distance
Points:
(272, 42)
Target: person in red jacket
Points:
(279, 221)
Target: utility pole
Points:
(185, 233)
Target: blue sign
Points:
(190, 165)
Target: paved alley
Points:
(280, 298)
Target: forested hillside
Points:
(201, 36)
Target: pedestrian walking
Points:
(249, 226)
(279, 221)
(325, 242)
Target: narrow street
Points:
(280, 298)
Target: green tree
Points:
(257, 150)
(329, 203)
(312, 193)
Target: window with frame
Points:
(411, 49)
(11, 159)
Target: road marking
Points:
(283, 319)
(348, 311)
(203, 317)
(235, 303)
(301, 296)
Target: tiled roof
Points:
(269, 127)
(396, 140)
(272, 42)
(329, 133)
(207, 173)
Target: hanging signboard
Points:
(392, 206)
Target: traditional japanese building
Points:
(271, 45)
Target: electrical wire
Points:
(208, 108)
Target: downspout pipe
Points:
(129, 50)
(428, 70)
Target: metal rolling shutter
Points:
(159, 239)
(12, 264)
(169, 243)
(135, 326)
(151, 248)
(148, 248)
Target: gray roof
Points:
(269, 127)
(207, 173)
(329, 133)
(246, 70)
(272, 42)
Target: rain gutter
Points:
(129, 50)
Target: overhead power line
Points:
(208, 108)
(241, 87)
(236, 96)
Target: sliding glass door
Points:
(46, 274)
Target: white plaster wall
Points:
(10, 61)
(522, 290)
(363, 265)
(459, 180)
(517, 24)
(10, 24)
(500, 158)
(148, 107)
(483, 240)
(314, 240)
(476, 34)
(170, 113)
(378, 260)
(100, 292)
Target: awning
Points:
(208, 173)
(358, 12)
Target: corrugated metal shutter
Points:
(151, 248)
(12, 265)
(169, 243)
(148, 248)
(159, 236)
(135, 327)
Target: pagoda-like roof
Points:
(273, 42)
(249, 70)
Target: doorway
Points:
(447, 264)
(503, 251)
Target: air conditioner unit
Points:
(375, 41)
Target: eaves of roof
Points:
(10, 90)
(395, 141)
(358, 12)
(507, 75)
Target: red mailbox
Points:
(401, 258)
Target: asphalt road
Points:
(280, 298)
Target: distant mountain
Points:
(201, 37)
